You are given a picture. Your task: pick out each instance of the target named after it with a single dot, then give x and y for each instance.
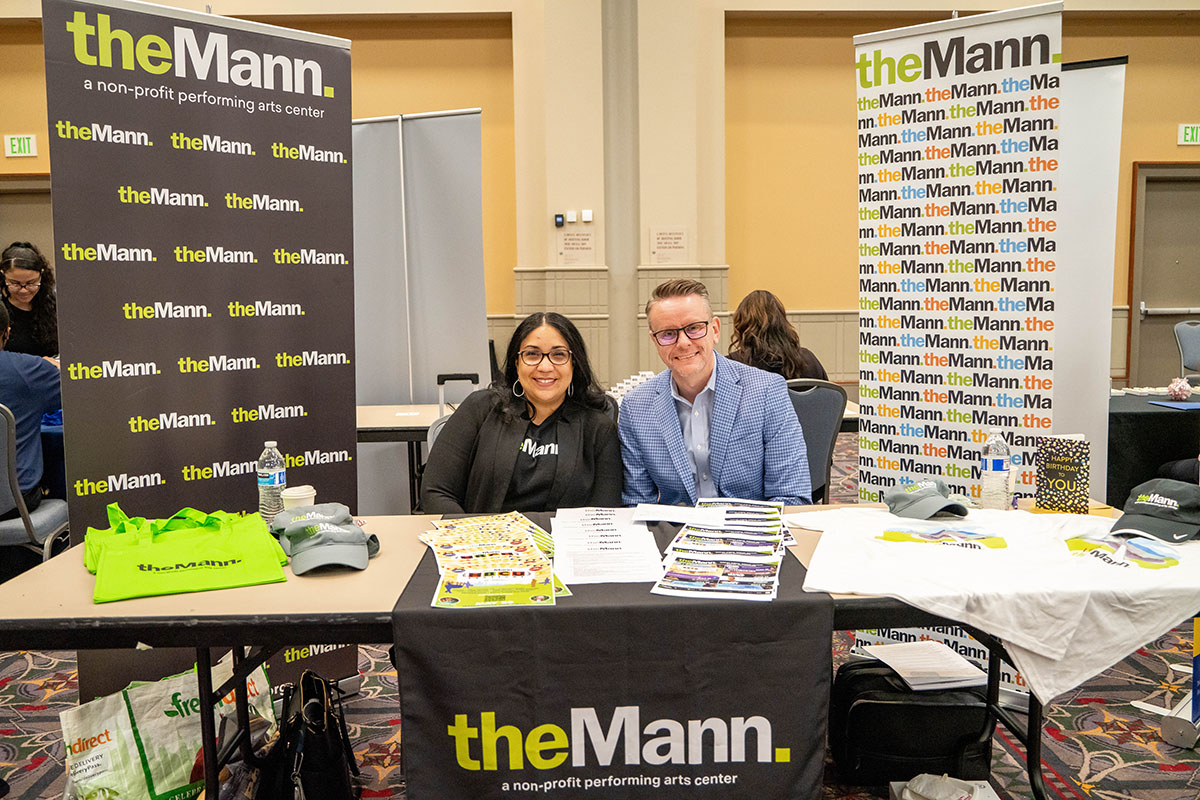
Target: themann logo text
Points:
(1156, 499)
(953, 57)
(667, 741)
(188, 566)
(94, 45)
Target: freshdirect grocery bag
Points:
(258, 692)
(102, 759)
(141, 743)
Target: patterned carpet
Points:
(1095, 743)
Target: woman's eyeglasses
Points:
(669, 336)
(29, 286)
(558, 357)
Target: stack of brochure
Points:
(739, 558)
(603, 545)
(928, 665)
(499, 560)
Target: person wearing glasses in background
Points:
(538, 439)
(29, 296)
(707, 426)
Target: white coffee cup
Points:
(296, 496)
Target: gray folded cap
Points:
(337, 513)
(316, 543)
(922, 499)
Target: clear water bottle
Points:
(995, 463)
(272, 480)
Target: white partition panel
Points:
(1093, 98)
(419, 292)
(380, 273)
(443, 217)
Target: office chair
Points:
(37, 530)
(435, 429)
(611, 407)
(1187, 336)
(819, 407)
(430, 437)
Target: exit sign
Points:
(1189, 134)
(22, 145)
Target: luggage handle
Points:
(447, 377)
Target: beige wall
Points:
(1162, 89)
(790, 171)
(789, 148)
(23, 87)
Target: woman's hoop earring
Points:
(515, 387)
(570, 389)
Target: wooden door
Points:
(1165, 270)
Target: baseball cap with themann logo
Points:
(923, 500)
(1162, 508)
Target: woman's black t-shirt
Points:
(537, 462)
(22, 339)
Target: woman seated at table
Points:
(538, 439)
(29, 296)
(763, 337)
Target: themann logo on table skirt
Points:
(662, 741)
(194, 55)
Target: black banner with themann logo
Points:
(614, 693)
(202, 217)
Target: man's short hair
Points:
(678, 287)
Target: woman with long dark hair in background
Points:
(28, 293)
(763, 337)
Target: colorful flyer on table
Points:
(491, 561)
(711, 578)
(750, 515)
(690, 539)
(452, 594)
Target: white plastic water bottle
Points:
(272, 480)
(995, 463)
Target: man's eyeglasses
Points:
(558, 357)
(669, 336)
(13, 286)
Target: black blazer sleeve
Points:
(610, 474)
(444, 483)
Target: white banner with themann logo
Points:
(958, 190)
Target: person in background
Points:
(30, 387)
(537, 439)
(707, 426)
(1185, 469)
(763, 337)
(30, 300)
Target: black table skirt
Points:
(1141, 438)
(614, 659)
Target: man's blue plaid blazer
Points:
(756, 448)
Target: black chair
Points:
(819, 406)
(497, 373)
(37, 530)
(611, 407)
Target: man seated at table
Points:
(29, 386)
(707, 426)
